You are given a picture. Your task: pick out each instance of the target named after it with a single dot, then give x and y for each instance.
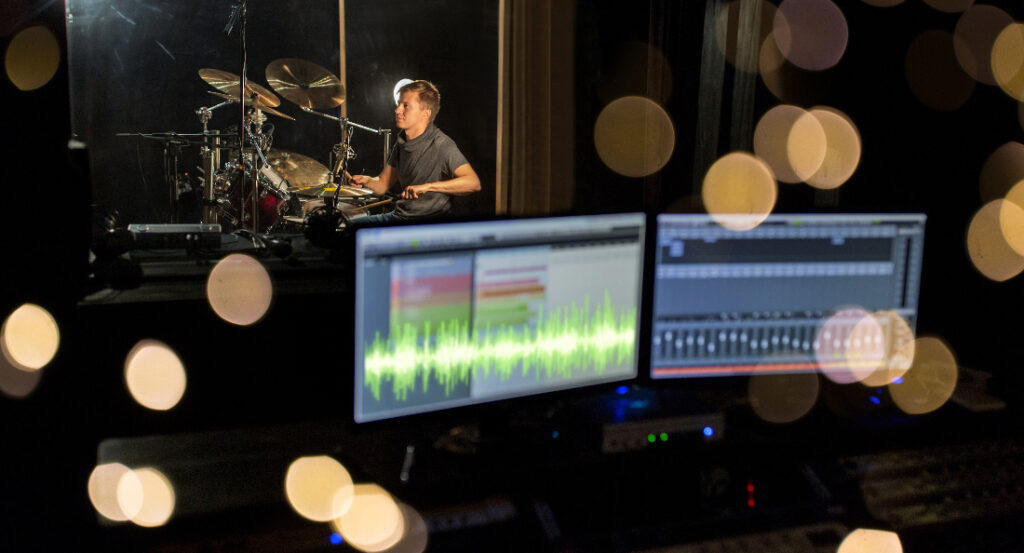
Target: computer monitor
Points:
(786, 296)
(459, 313)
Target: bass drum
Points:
(270, 204)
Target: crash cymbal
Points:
(230, 84)
(305, 83)
(302, 172)
(259, 103)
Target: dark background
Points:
(280, 384)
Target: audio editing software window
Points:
(459, 313)
(789, 295)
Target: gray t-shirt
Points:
(430, 157)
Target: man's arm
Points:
(464, 182)
(379, 184)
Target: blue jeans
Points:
(388, 218)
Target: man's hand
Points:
(414, 191)
(360, 180)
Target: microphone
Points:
(236, 12)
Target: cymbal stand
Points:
(342, 151)
(211, 161)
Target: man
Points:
(426, 164)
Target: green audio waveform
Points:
(568, 341)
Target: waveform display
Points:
(567, 341)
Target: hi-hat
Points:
(230, 84)
(258, 103)
(302, 172)
(305, 83)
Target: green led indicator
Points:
(651, 438)
(414, 243)
(664, 437)
(798, 223)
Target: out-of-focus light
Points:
(32, 58)
(934, 74)
(884, 3)
(990, 253)
(708, 431)
(871, 541)
(158, 498)
(336, 538)
(15, 382)
(930, 382)
(239, 289)
(950, 6)
(622, 390)
(634, 136)
(1008, 60)
(791, 141)
(850, 346)
(115, 491)
(154, 375)
(319, 488)
(728, 33)
(739, 191)
(898, 349)
(842, 155)
(1011, 218)
(811, 34)
(974, 36)
(875, 400)
(1002, 170)
(637, 69)
(29, 337)
(398, 86)
(374, 523)
(415, 538)
(783, 398)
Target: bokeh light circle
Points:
(931, 380)
(319, 488)
(989, 251)
(739, 191)
(115, 491)
(933, 73)
(29, 337)
(950, 6)
(1011, 218)
(15, 382)
(1008, 60)
(415, 535)
(811, 34)
(783, 398)
(843, 151)
(898, 349)
(374, 522)
(33, 57)
(155, 375)
(239, 289)
(634, 136)
(786, 81)
(158, 498)
(974, 36)
(849, 346)
(864, 540)
(1003, 169)
(791, 141)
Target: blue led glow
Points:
(875, 400)
(554, 435)
(336, 539)
(898, 380)
(708, 431)
(622, 390)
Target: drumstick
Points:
(374, 204)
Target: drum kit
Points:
(248, 184)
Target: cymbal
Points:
(230, 84)
(259, 103)
(302, 172)
(305, 83)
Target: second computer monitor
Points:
(790, 295)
